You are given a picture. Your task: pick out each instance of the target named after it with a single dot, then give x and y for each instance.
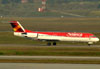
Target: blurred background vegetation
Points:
(55, 8)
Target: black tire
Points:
(89, 44)
(54, 43)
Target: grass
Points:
(49, 51)
(47, 24)
(55, 24)
(50, 61)
(95, 13)
(12, 45)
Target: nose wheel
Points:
(54, 43)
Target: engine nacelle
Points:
(32, 35)
(17, 34)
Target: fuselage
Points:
(59, 36)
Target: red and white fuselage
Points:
(53, 36)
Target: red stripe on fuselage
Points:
(65, 34)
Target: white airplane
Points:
(53, 37)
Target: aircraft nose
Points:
(97, 39)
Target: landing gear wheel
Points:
(49, 44)
(54, 43)
(89, 44)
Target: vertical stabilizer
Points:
(17, 27)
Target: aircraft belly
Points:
(63, 38)
(49, 37)
(75, 39)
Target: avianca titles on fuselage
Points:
(53, 37)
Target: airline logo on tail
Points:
(16, 26)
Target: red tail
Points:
(17, 26)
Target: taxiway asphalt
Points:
(50, 57)
(47, 66)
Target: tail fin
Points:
(17, 27)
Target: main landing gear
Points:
(89, 44)
(50, 43)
